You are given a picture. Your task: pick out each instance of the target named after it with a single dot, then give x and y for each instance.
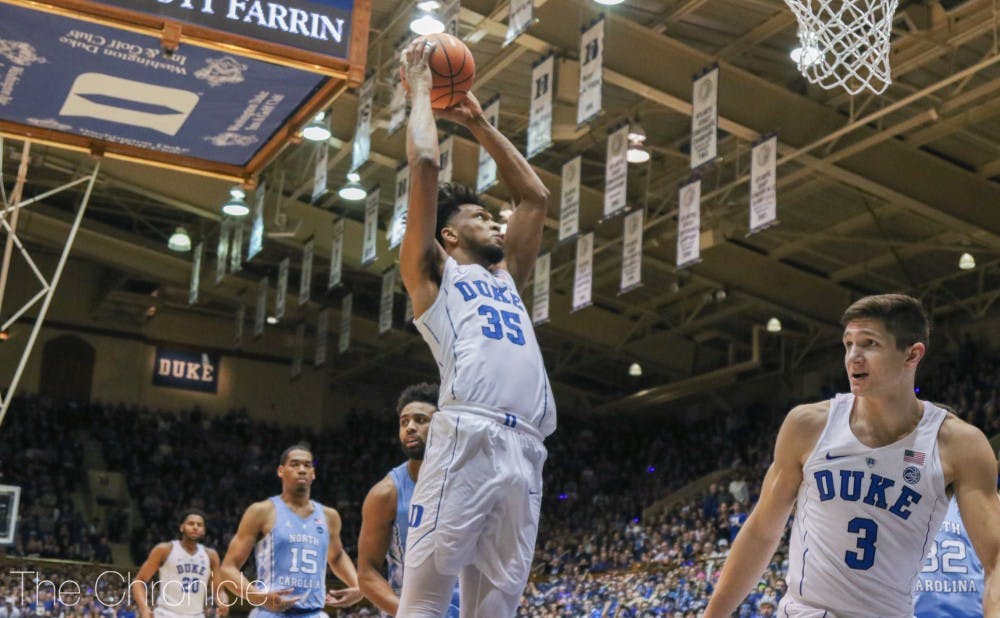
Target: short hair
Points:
(188, 512)
(298, 446)
(903, 316)
(425, 392)
(451, 196)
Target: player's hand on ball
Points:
(465, 112)
(344, 597)
(415, 70)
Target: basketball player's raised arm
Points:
(140, 585)
(230, 572)
(421, 258)
(377, 516)
(759, 537)
(965, 450)
(341, 565)
(219, 595)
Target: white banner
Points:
(591, 72)
(281, 294)
(256, 242)
(569, 201)
(487, 176)
(222, 251)
(322, 330)
(705, 118)
(763, 186)
(445, 148)
(260, 311)
(385, 302)
(397, 104)
(616, 172)
(336, 255)
(540, 303)
(320, 172)
(369, 242)
(408, 310)
(397, 226)
(540, 113)
(199, 251)
(305, 279)
(583, 275)
(689, 224)
(522, 13)
(241, 317)
(300, 346)
(236, 248)
(631, 252)
(362, 145)
(345, 322)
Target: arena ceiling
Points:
(878, 193)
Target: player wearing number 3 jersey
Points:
(475, 508)
(870, 474)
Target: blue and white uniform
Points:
(951, 580)
(864, 520)
(293, 555)
(478, 498)
(183, 583)
(400, 476)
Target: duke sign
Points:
(193, 371)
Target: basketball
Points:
(452, 69)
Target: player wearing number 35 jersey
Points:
(475, 508)
(870, 474)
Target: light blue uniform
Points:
(293, 555)
(951, 580)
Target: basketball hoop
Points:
(845, 43)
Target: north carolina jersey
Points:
(865, 518)
(951, 580)
(482, 339)
(184, 580)
(293, 555)
(400, 476)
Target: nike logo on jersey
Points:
(832, 457)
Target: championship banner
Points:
(305, 278)
(397, 226)
(385, 302)
(763, 184)
(186, 370)
(346, 306)
(241, 317)
(445, 148)
(300, 348)
(540, 113)
(520, 17)
(487, 176)
(361, 147)
(540, 304)
(689, 224)
(222, 252)
(569, 200)
(236, 248)
(450, 16)
(199, 251)
(260, 310)
(322, 331)
(705, 117)
(408, 310)
(583, 274)
(336, 255)
(282, 293)
(591, 72)
(632, 252)
(256, 242)
(320, 171)
(616, 172)
(397, 104)
(369, 242)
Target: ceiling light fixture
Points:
(318, 130)
(636, 152)
(427, 21)
(966, 262)
(179, 241)
(774, 325)
(635, 370)
(236, 206)
(353, 191)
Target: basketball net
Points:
(845, 42)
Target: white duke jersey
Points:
(184, 580)
(865, 518)
(482, 339)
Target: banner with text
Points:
(487, 176)
(445, 147)
(322, 332)
(705, 118)
(569, 200)
(616, 172)
(236, 248)
(346, 306)
(400, 204)
(583, 273)
(281, 294)
(522, 12)
(386, 301)
(361, 147)
(320, 172)
(305, 278)
(260, 309)
(369, 241)
(763, 185)
(222, 251)
(540, 304)
(540, 112)
(397, 103)
(689, 224)
(199, 251)
(632, 252)
(591, 72)
(256, 242)
(336, 255)
(187, 370)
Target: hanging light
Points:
(609, 2)
(236, 207)
(353, 191)
(966, 262)
(318, 130)
(807, 53)
(427, 21)
(179, 241)
(636, 152)
(635, 370)
(774, 325)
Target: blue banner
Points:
(99, 82)
(193, 371)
